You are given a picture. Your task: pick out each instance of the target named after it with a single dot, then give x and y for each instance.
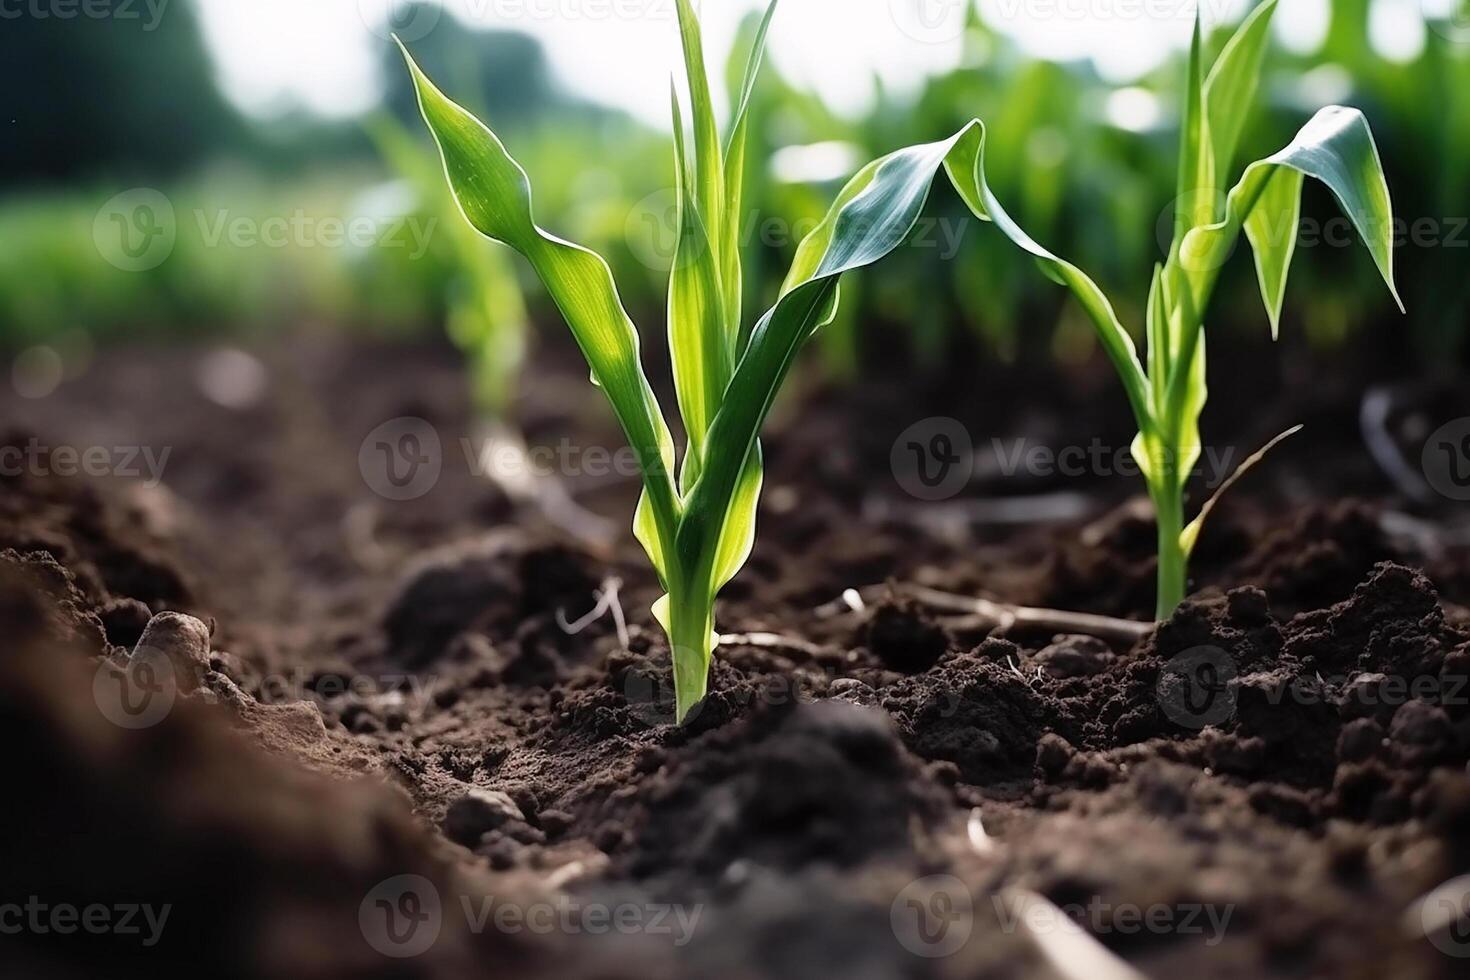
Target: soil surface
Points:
(393, 758)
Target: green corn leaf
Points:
(871, 217)
(709, 176)
(1230, 91)
(1190, 536)
(1195, 189)
(966, 167)
(698, 345)
(1271, 227)
(1157, 333)
(731, 275)
(1188, 394)
(494, 194)
(1336, 147)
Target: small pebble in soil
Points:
(1248, 606)
(944, 772)
(478, 812)
(1359, 739)
(1422, 726)
(1053, 753)
(555, 822)
(184, 640)
(1233, 754)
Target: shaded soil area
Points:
(397, 755)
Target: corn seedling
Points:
(697, 524)
(1167, 397)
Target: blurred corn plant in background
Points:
(602, 169)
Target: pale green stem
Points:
(1173, 562)
(691, 637)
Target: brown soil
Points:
(389, 694)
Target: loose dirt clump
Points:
(390, 690)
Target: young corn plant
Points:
(696, 522)
(1168, 395)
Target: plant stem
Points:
(691, 635)
(1173, 563)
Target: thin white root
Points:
(952, 518)
(1373, 419)
(607, 601)
(980, 840)
(507, 463)
(771, 641)
(1068, 949)
(985, 614)
(575, 871)
(359, 531)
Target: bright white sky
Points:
(321, 54)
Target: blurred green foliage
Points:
(1093, 190)
(122, 96)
